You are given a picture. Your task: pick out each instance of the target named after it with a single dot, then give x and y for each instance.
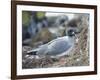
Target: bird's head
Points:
(72, 32)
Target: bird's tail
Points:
(32, 52)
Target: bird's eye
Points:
(71, 32)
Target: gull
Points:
(57, 47)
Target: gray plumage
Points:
(55, 47)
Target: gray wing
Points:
(58, 47)
(42, 49)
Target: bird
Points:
(55, 48)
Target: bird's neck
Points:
(71, 38)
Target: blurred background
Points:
(41, 27)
